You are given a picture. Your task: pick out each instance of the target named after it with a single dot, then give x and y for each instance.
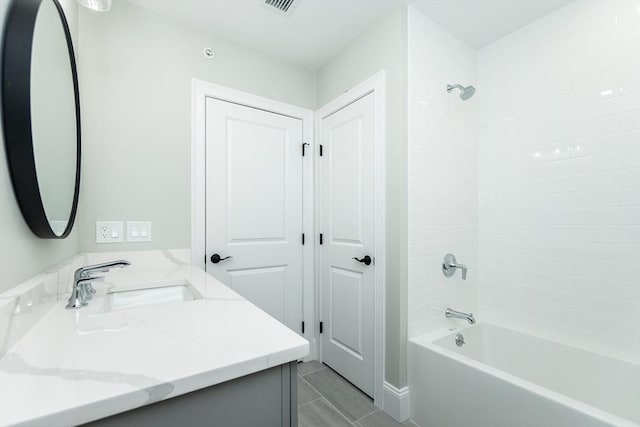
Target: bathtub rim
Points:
(427, 341)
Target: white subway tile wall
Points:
(442, 175)
(558, 106)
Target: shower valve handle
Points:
(450, 265)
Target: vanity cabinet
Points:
(266, 399)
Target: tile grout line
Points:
(372, 412)
(309, 373)
(322, 396)
(310, 402)
(338, 410)
(312, 387)
(329, 402)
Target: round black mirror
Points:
(41, 115)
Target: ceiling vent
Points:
(282, 7)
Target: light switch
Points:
(109, 231)
(138, 231)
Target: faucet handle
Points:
(86, 289)
(450, 264)
(89, 286)
(464, 270)
(85, 271)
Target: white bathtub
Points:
(503, 378)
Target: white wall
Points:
(442, 175)
(136, 69)
(559, 177)
(383, 47)
(22, 254)
(136, 72)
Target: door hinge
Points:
(303, 327)
(205, 259)
(320, 150)
(321, 327)
(304, 145)
(303, 238)
(321, 238)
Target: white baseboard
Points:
(396, 402)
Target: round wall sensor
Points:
(208, 53)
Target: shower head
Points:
(465, 92)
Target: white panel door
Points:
(347, 227)
(254, 206)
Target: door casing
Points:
(311, 292)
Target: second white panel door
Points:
(254, 206)
(347, 224)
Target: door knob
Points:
(366, 260)
(215, 258)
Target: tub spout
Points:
(460, 315)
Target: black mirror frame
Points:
(16, 111)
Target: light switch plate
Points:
(109, 231)
(138, 231)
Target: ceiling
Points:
(317, 29)
(313, 33)
(480, 22)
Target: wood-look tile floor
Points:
(325, 399)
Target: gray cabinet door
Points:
(264, 399)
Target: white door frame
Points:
(373, 85)
(200, 91)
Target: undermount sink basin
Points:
(128, 297)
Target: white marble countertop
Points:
(76, 366)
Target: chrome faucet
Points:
(450, 264)
(82, 290)
(460, 315)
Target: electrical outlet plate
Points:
(138, 231)
(109, 231)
